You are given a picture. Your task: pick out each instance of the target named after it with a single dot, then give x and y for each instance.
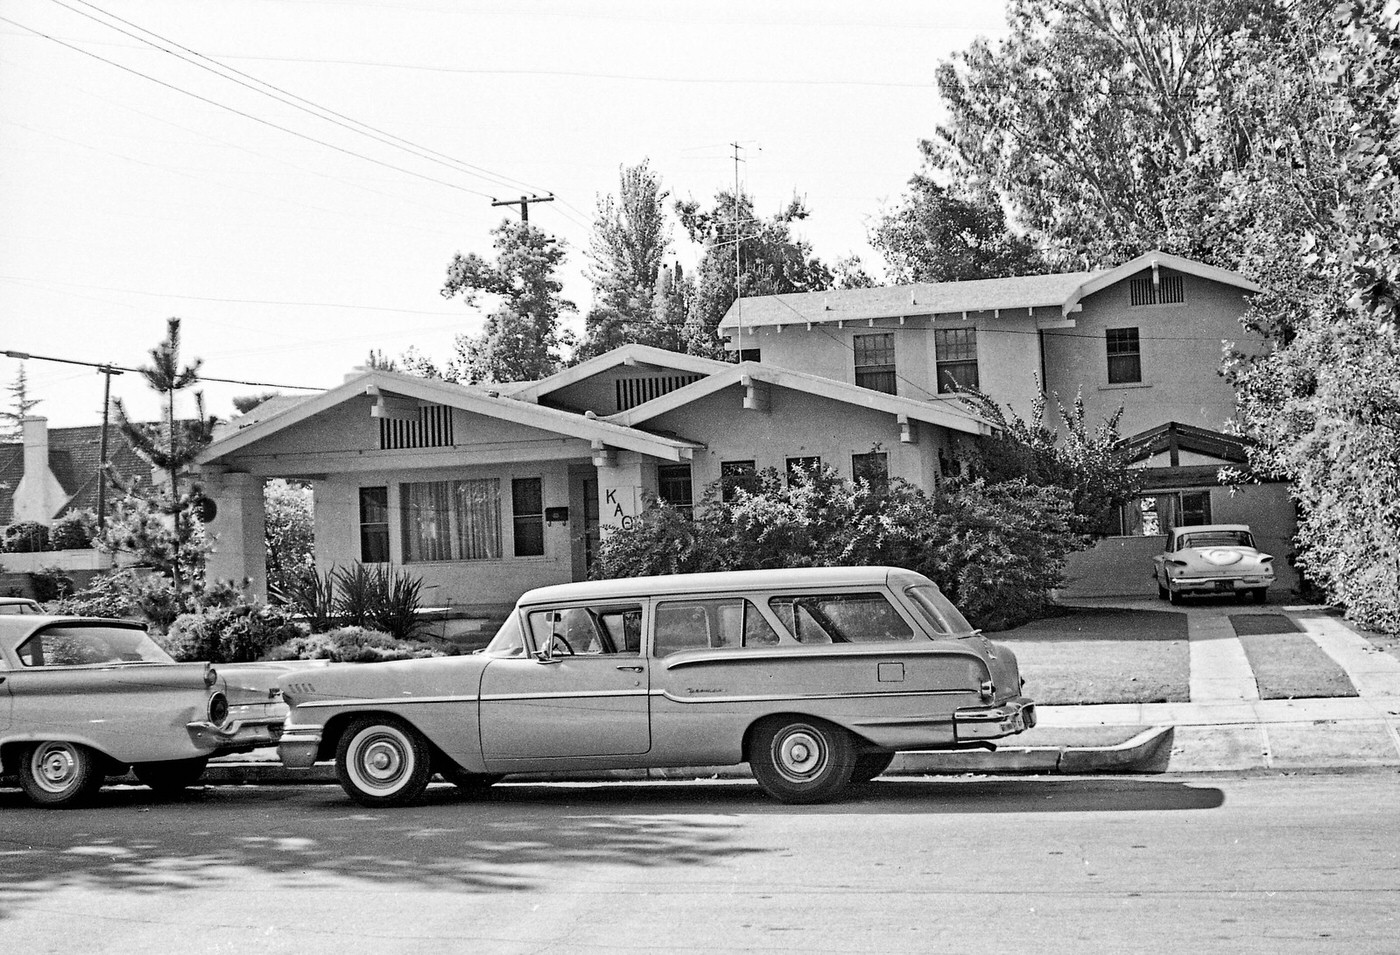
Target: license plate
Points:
(1224, 585)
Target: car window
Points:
(23, 607)
(937, 610)
(841, 618)
(588, 631)
(726, 623)
(509, 641)
(87, 646)
(1217, 539)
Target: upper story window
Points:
(875, 362)
(956, 353)
(1165, 290)
(750, 354)
(673, 485)
(1124, 356)
(374, 525)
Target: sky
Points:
(138, 182)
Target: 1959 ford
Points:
(84, 698)
(815, 677)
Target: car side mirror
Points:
(545, 653)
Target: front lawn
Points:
(1103, 656)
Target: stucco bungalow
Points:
(487, 492)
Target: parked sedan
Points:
(18, 605)
(1212, 559)
(815, 677)
(82, 699)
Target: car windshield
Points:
(1217, 539)
(937, 610)
(90, 646)
(509, 641)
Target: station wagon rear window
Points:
(841, 618)
(710, 624)
(88, 646)
(937, 610)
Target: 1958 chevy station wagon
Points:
(815, 677)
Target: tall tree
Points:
(522, 338)
(629, 242)
(171, 446)
(935, 234)
(1080, 117)
(20, 406)
(770, 261)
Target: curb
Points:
(1147, 752)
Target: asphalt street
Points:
(1220, 863)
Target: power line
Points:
(109, 366)
(245, 115)
(288, 98)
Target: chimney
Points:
(38, 495)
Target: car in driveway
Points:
(82, 699)
(815, 677)
(1206, 559)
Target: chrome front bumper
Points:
(299, 747)
(993, 722)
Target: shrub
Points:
(74, 531)
(353, 645)
(50, 583)
(996, 549)
(237, 634)
(125, 594)
(312, 595)
(26, 537)
(378, 597)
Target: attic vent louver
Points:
(635, 391)
(433, 429)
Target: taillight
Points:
(211, 676)
(218, 708)
(989, 690)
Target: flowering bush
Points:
(353, 645)
(237, 634)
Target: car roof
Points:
(18, 600)
(722, 582)
(17, 628)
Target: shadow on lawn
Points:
(514, 837)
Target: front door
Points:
(590, 697)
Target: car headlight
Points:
(218, 708)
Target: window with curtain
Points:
(452, 520)
(874, 357)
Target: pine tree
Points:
(11, 420)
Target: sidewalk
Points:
(1224, 727)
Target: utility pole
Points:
(107, 371)
(738, 292)
(524, 203)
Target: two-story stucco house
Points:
(1145, 337)
(485, 493)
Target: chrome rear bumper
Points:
(993, 722)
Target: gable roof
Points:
(472, 399)
(1060, 291)
(74, 457)
(946, 412)
(1174, 437)
(632, 354)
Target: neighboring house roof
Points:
(478, 400)
(74, 456)
(947, 412)
(624, 355)
(1173, 437)
(1061, 291)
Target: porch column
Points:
(623, 480)
(239, 529)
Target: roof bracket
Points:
(757, 395)
(908, 432)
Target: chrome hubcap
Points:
(55, 767)
(800, 754)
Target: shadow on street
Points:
(132, 841)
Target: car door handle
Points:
(631, 669)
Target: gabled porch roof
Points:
(488, 402)
(945, 412)
(625, 355)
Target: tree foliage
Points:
(20, 406)
(522, 339)
(996, 549)
(771, 261)
(289, 532)
(935, 234)
(630, 239)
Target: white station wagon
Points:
(815, 677)
(1212, 559)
